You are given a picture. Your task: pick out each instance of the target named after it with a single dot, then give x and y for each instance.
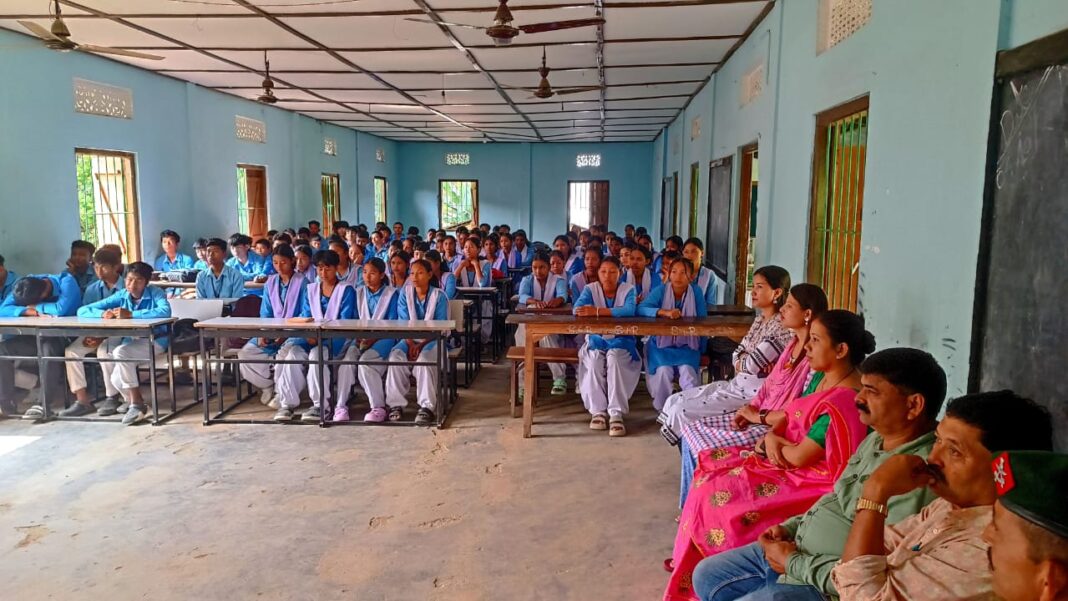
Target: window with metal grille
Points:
(380, 199)
(838, 202)
(457, 203)
(252, 200)
(107, 200)
(330, 183)
(587, 204)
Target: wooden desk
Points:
(539, 326)
(193, 285)
(730, 310)
(528, 310)
(491, 294)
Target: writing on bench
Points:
(616, 331)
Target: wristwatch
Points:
(863, 503)
(764, 417)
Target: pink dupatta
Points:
(737, 494)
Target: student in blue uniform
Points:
(591, 265)
(672, 244)
(524, 253)
(107, 264)
(609, 366)
(250, 265)
(327, 299)
(219, 280)
(398, 231)
(375, 300)
(281, 299)
(543, 289)
(200, 249)
(304, 266)
(703, 278)
(474, 271)
(399, 265)
(79, 265)
(7, 280)
(35, 295)
(442, 278)
(449, 254)
(137, 301)
(572, 262)
(639, 275)
(418, 302)
(170, 259)
(347, 272)
(673, 357)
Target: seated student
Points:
(346, 271)
(449, 254)
(584, 241)
(790, 378)
(542, 289)
(200, 249)
(398, 231)
(431, 238)
(339, 229)
(524, 253)
(36, 295)
(509, 260)
(504, 228)
(376, 300)
(646, 241)
(624, 256)
(219, 280)
(7, 280)
(461, 236)
(398, 269)
(572, 262)
(615, 245)
(326, 299)
(694, 251)
(939, 553)
(317, 242)
(628, 233)
(395, 246)
(1028, 535)
(314, 228)
(673, 244)
(668, 358)
(278, 240)
(753, 360)
(556, 266)
(302, 233)
(251, 266)
(800, 458)
(609, 366)
(354, 277)
(591, 265)
(408, 246)
(137, 301)
(443, 280)
(363, 240)
(640, 276)
(304, 267)
(472, 272)
(419, 301)
(281, 299)
(79, 264)
(107, 264)
(378, 247)
(901, 395)
(352, 238)
(492, 254)
(171, 259)
(484, 230)
(666, 260)
(421, 248)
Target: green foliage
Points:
(457, 204)
(86, 201)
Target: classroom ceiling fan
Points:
(545, 90)
(57, 37)
(267, 97)
(502, 31)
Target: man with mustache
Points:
(901, 395)
(1028, 536)
(939, 553)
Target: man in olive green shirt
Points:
(901, 396)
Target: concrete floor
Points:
(473, 511)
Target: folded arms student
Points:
(32, 296)
(137, 301)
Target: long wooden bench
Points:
(516, 354)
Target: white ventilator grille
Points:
(752, 84)
(101, 99)
(250, 130)
(841, 19)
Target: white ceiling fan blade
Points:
(577, 90)
(40, 32)
(446, 23)
(118, 51)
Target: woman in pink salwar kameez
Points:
(738, 492)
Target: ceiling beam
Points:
(471, 72)
(474, 61)
(468, 89)
(333, 53)
(166, 38)
(599, 56)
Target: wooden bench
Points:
(541, 356)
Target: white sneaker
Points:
(274, 404)
(266, 395)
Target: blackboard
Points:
(1021, 336)
(717, 236)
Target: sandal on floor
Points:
(395, 414)
(599, 422)
(35, 412)
(616, 427)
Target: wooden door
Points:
(599, 203)
(746, 231)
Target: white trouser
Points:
(289, 380)
(314, 391)
(607, 380)
(558, 370)
(258, 374)
(487, 321)
(717, 398)
(76, 369)
(398, 380)
(124, 375)
(659, 383)
(372, 379)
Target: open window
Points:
(587, 204)
(252, 201)
(457, 203)
(330, 184)
(107, 200)
(381, 191)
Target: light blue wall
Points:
(186, 155)
(525, 185)
(369, 168)
(930, 102)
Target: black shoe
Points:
(424, 417)
(76, 410)
(109, 406)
